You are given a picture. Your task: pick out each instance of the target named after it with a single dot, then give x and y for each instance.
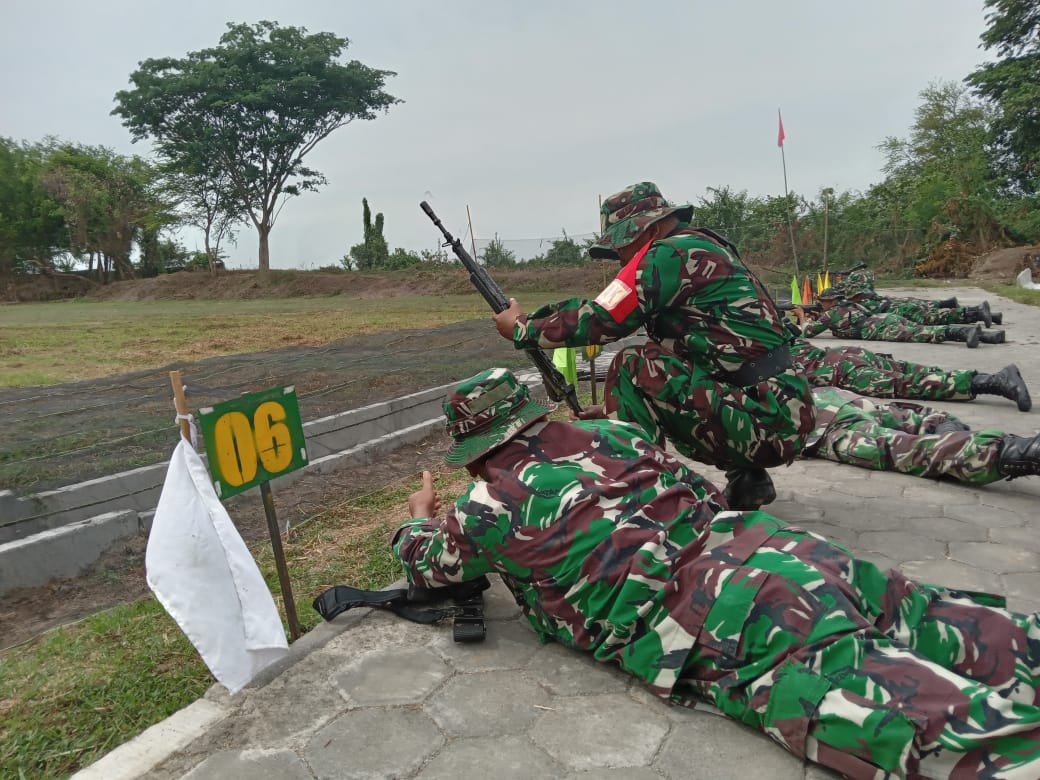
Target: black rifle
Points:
(556, 387)
(850, 269)
(803, 306)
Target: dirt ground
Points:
(338, 376)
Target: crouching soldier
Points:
(716, 376)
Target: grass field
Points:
(49, 343)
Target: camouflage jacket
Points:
(844, 319)
(693, 297)
(609, 543)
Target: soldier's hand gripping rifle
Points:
(556, 386)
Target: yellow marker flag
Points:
(819, 284)
(826, 280)
(564, 360)
(796, 294)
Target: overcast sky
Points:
(527, 112)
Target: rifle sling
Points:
(467, 609)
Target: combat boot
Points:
(748, 488)
(969, 334)
(992, 337)
(1007, 383)
(1019, 457)
(979, 313)
(947, 303)
(997, 317)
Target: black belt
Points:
(467, 609)
(774, 362)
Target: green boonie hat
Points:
(625, 215)
(830, 294)
(486, 411)
(861, 277)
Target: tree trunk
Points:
(264, 231)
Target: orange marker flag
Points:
(807, 295)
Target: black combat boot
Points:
(979, 313)
(992, 337)
(969, 334)
(997, 317)
(1019, 457)
(1007, 383)
(748, 488)
(947, 303)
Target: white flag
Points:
(202, 573)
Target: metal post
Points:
(279, 561)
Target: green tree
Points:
(32, 230)
(1013, 84)
(206, 201)
(372, 253)
(563, 251)
(495, 255)
(108, 202)
(248, 112)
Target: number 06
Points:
(241, 446)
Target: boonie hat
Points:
(486, 411)
(625, 215)
(830, 294)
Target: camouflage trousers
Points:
(762, 425)
(925, 314)
(880, 375)
(864, 671)
(888, 327)
(899, 436)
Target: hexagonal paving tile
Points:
(602, 730)
(488, 703)
(566, 672)
(508, 645)
(373, 743)
(397, 675)
(507, 758)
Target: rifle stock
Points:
(556, 386)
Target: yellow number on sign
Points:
(236, 452)
(273, 438)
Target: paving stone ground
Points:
(372, 696)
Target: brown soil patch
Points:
(1003, 265)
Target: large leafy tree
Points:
(1013, 84)
(248, 111)
(108, 203)
(32, 230)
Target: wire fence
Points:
(69, 433)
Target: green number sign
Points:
(253, 439)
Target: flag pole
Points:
(787, 209)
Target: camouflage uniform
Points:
(879, 375)
(900, 436)
(852, 321)
(913, 310)
(707, 316)
(613, 547)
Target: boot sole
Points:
(1025, 403)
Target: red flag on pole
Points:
(780, 133)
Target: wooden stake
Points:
(181, 404)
